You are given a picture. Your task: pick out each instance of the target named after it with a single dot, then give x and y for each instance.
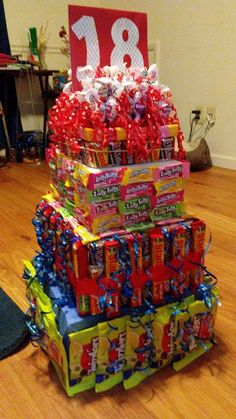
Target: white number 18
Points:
(85, 28)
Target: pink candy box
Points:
(101, 178)
(136, 189)
(171, 169)
(169, 198)
(99, 209)
(136, 217)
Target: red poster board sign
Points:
(102, 37)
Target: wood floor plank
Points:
(207, 388)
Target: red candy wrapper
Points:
(111, 257)
(157, 248)
(198, 237)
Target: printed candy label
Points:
(108, 177)
(104, 208)
(105, 223)
(138, 174)
(111, 353)
(100, 194)
(169, 171)
(137, 189)
(134, 205)
(169, 198)
(167, 211)
(83, 349)
(136, 217)
(172, 185)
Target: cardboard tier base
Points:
(126, 349)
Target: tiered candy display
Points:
(119, 289)
(119, 196)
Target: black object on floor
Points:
(13, 330)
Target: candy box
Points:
(168, 198)
(115, 152)
(69, 320)
(99, 224)
(135, 217)
(167, 211)
(168, 131)
(154, 153)
(169, 185)
(94, 155)
(97, 195)
(172, 169)
(99, 209)
(98, 178)
(74, 355)
(167, 148)
(135, 190)
(138, 173)
(136, 204)
(53, 170)
(112, 134)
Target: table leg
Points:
(45, 114)
(4, 119)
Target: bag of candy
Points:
(111, 353)
(164, 332)
(139, 350)
(83, 348)
(51, 340)
(197, 335)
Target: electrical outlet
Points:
(205, 110)
(210, 110)
(202, 115)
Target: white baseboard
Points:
(224, 161)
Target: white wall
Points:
(192, 40)
(198, 61)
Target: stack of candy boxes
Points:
(118, 290)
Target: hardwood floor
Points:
(207, 388)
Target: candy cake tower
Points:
(118, 290)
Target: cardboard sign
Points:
(102, 37)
